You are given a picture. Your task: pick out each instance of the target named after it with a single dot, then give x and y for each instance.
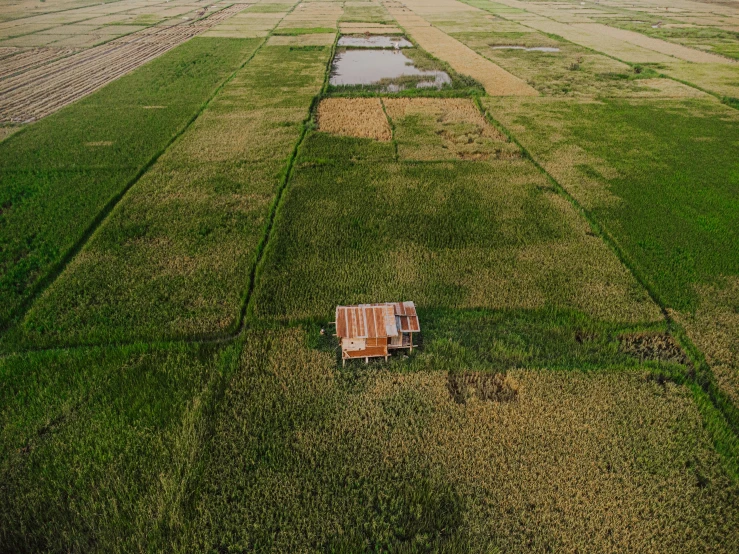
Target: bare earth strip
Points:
(40, 92)
(496, 80)
(664, 47)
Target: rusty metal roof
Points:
(369, 321)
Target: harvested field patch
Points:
(353, 117)
(659, 347)
(597, 40)
(574, 70)
(657, 45)
(38, 92)
(28, 59)
(446, 128)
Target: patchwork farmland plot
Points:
(35, 94)
(553, 184)
(57, 175)
(395, 459)
(652, 206)
(187, 234)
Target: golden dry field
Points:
(190, 188)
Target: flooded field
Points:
(391, 70)
(376, 41)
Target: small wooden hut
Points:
(373, 330)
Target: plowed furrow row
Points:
(29, 59)
(40, 91)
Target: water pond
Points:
(375, 41)
(382, 67)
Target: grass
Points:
(94, 444)
(58, 176)
(186, 236)
(306, 456)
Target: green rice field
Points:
(189, 190)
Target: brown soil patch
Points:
(354, 117)
(492, 387)
(654, 346)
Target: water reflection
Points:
(375, 42)
(370, 67)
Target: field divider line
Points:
(702, 374)
(103, 214)
(392, 130)
(247, 308)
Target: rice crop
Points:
(714, 327)
(53, 186)
(353, 117)
(186, 236)
(173, 247)
(362, 28)
(95, 444)
(325, 40)
(642, 191)
(393, 461)
(448, 128)
(356, 226)
(655, 209)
